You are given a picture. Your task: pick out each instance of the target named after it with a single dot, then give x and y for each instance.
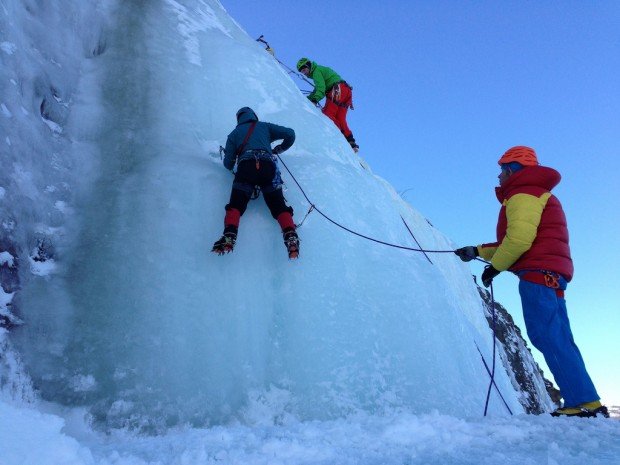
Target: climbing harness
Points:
(245, 140)
(335, 94)
(256, 191)
(544, 277)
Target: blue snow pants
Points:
(546, 321)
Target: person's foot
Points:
(291, 242)
(352, 143)
(585, 410)
(225, 244)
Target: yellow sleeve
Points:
(486, 252)
(523, 214)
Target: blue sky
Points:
(443, 88)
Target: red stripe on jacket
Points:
(550, 250)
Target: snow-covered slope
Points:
(114, 313)
(113, 192)
(137, 319)
(44, 50)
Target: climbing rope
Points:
(491, 371)
(486, 404)
(416, 241)
(389, 244)
(262, 40)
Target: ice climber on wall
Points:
(339, 96)
(532, 242)
(249, 146)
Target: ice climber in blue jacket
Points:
(249, 146)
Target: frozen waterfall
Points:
(147, 328)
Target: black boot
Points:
(226, 243)
(291, 242)
(351, 141)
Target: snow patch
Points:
(8, 225)
(8, 47)
(39, 438)
(83, 383)
(5, 111)
(5, 300)
(191, 23)
(5, 257)
(211, 150)
(63, 207)
(54, 127)
(42, 268)
(31, 437)
(269, 407)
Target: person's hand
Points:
(468, 253)
(488, 274)
(277, 149)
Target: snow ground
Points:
(32, 437)
(159, 171)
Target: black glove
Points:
(277, 149)
(467, 253)
(488, 274)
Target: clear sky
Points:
(441, 89)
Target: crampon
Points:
(225, 244)
(291, 241)
(583, 411)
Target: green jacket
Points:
(324, 79)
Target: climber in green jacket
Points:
(339, 96)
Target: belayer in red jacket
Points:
(532, 242)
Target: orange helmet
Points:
(521, 154)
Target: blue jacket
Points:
(262, 137)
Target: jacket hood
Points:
(246, 115)
(530, 176)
